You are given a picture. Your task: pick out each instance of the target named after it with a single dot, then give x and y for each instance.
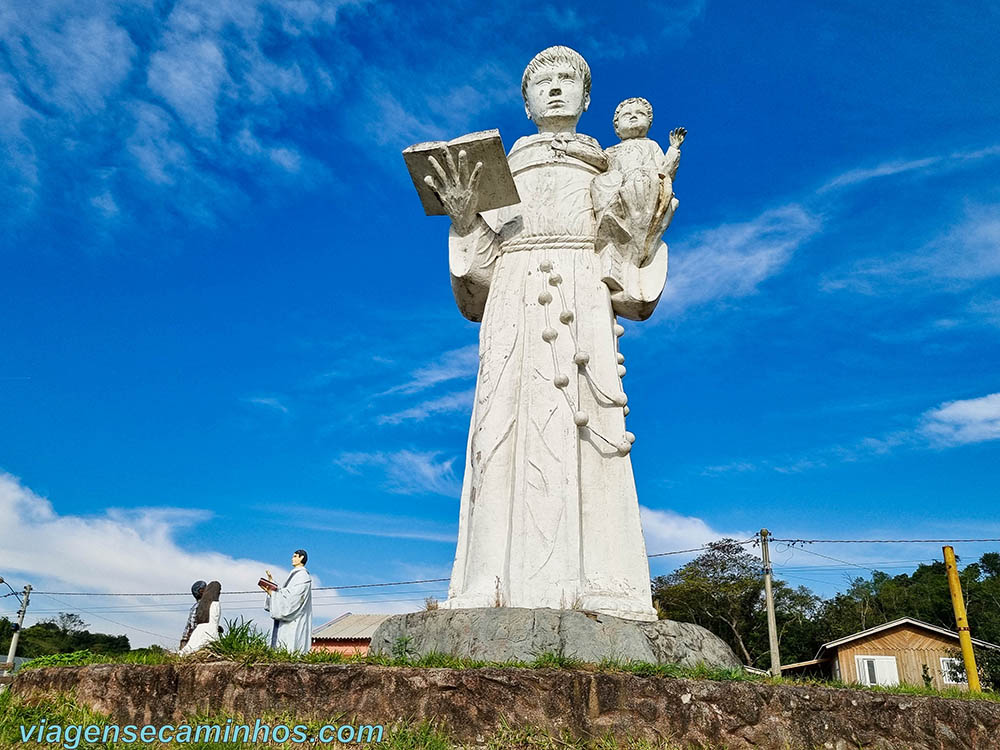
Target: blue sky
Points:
(226, 328)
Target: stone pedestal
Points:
(515, 634)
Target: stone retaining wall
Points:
(472, 702)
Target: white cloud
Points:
(367, 524)
(408, 472)
(949, 425)
(131, 550)
(667, 531)
(885, 169)
(174, 113)
(928, 165)
(973, 420)
(961, 256)
(68, 55)
(732, 260)
(450, 402)
(452, 365)
(270, 402)
(986, 310)
(189, 75)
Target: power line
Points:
(316, 605)
(252, 591)
(702, 548)
(168, 607)
(183, 607)
(115, 622)
(835, 559)
(885, 541)
(13, 592)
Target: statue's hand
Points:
(677, 137)
(456, 189)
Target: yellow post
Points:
(964, 637)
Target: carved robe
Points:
(549, 515)
(291, 609)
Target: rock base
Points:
(502, 634)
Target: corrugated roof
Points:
(350, 626)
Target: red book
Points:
(269, 585)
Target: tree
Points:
(69, 622)
(923, 595)
(723, 591)
(62, 634)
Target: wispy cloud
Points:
(733, 260)
(927, 164)
(192, 108)
(407, 472)
(270, 402)
(885, 169)
(961, 256)
(179, 100)
(367, 524)
(450, 402)
(985, 310)
(948, 425)
(452, 365)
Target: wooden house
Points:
(349, 634)
(902, 651)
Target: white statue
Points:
(549, 513)
(638, 183)
(290, 606)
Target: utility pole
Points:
(772, 622)
(961, 620)
(17, 630)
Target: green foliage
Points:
(988, 662)
(401, 649)
(242, 640)
(723, 590)
(924, 595)
(152, 655)
(74, 659)
(529, 738)
(63, 634)
(555, 660)
(925, 675)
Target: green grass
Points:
(63, 711)
(82, 658)
(246, 644)
(903, 689)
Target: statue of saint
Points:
(549, 513)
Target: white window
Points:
(953, 671)
(877, 670)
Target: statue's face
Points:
(555, 93)
(633, 121)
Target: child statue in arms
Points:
(638, 183)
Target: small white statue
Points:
(638, 184)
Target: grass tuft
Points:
(244, 643)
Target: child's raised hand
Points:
(677, 137)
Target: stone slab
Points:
(517, 634)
